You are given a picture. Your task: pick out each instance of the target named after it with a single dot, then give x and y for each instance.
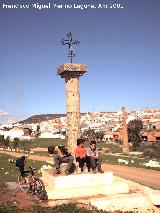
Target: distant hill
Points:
(42, 117)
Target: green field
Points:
(44, 143)
(130, 161)
(9, 172)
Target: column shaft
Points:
(73, 111)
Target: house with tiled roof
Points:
(151, 136)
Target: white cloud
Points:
(3, 113)
(5, 117)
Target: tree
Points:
(134, 132)
(92, 134)
(15, 143)
(99, 135)
(2, 140)
(38, 132)
(7, 141)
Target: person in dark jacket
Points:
(61, 155)
(20, 163)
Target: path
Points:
(147, 177)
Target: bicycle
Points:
(29, 183)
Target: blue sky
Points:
(120, 46)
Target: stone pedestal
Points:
(71, 73)
(81, 185)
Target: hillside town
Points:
(110, 123)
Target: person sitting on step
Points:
(95, 159)
(81, 155)
(20, 164)
(61, 155)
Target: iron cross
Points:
(70, 42)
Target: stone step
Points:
(116, 187)
(59, 182)
(137, 202)
(73, 193)
(80, 192)
(81, 185)
(153, 195)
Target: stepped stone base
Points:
(154, 196)
(102, 191)
(81, 185)
(136, 202)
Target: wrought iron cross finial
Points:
(70, 42)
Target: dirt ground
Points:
(25, 201)
(20, 199)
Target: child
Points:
(81, 155)
(61, 155)
(95, 159)
(20, 163)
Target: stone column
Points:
(71, 73)
(125, 132)
(73, 111)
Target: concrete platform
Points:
(135, 202)
(81, 185)
(103, 191)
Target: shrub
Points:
(71, 208)
(7, 141)
(2, 140)
(9, 207)
(16, 143)
(150, 153)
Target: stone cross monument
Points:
(125, 132)
(72, 72)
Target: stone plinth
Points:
(71, 73)
(80, 185)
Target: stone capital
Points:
(71, 70)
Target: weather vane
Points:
(70, 42)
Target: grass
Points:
(107, 158)
(43, 153)
(71, 208)
(46, 142)
(132, 161)
(9, 172)
(64, 208)
(113, 148)
(43, 143)
(9, 207)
